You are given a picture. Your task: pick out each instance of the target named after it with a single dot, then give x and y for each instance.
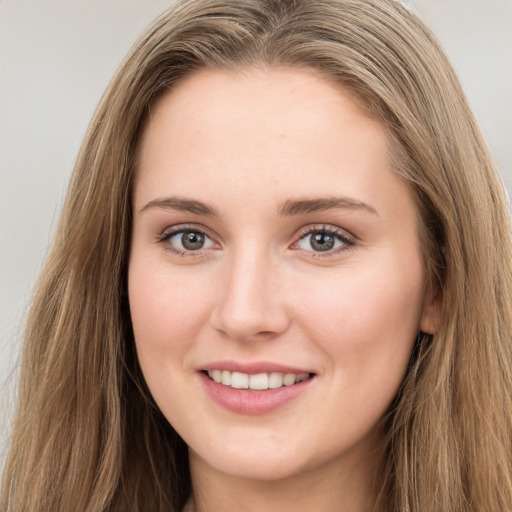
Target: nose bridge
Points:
(250, 303)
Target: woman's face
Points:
(273, 247)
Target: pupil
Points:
(192, 241)
(322, 242)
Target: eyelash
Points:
(348, 241)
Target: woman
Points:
(281, 279)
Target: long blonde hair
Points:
(87, 435)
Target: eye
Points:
(324, 240)
(182, 241)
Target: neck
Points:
(342, 486)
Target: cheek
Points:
(366, 319)
(167, 312)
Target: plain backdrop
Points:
(56, 58)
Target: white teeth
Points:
(259, 381)
(289, 379)
(226, 378)
(239, 380)
(275, 380)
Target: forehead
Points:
(287, 102)
(280, 132)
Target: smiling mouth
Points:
(256, 382)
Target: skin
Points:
(245, 144)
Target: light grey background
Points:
(56, 58)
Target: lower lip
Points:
(252, 402)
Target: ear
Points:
(431, 314)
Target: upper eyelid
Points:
(330, 228)
(179, 228)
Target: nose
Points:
(251, 304)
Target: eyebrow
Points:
(182, 204)
(305, 206)
(288, 208)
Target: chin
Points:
(262, 463)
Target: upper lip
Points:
(253, 368)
